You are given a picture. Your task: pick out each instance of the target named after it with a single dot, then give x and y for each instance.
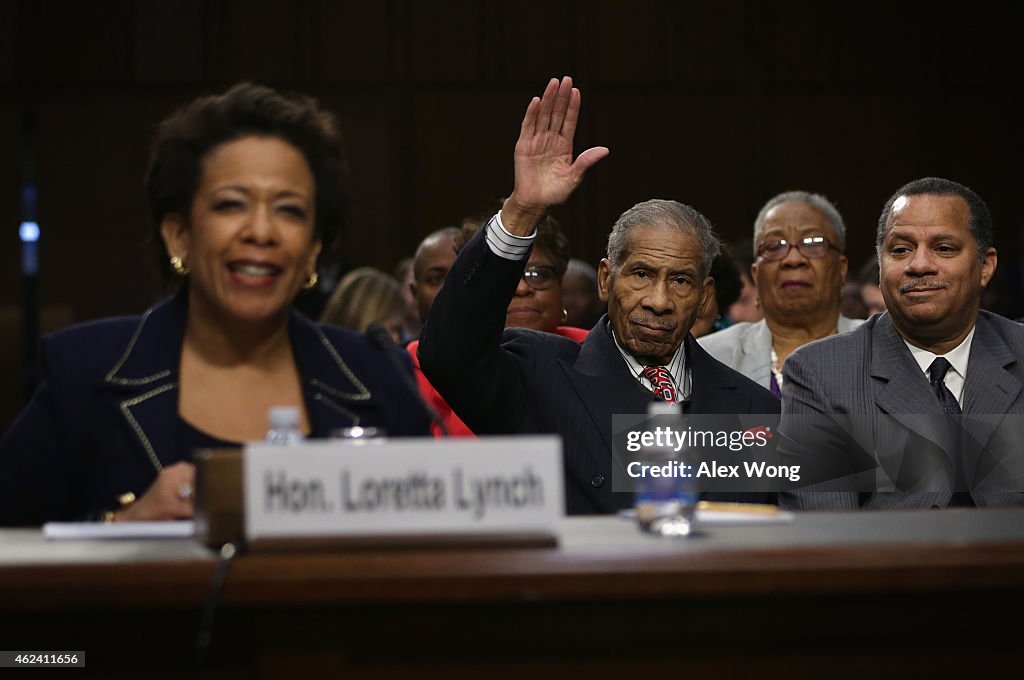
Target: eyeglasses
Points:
(539, 278)
(810, 247)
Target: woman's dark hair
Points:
(728, 284)
(184, 138)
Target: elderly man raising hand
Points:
(654, 280)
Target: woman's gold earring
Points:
(565, 314)
(311, 282)
(179, 266)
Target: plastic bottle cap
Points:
(664, 408)
(284, 416)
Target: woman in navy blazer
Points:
(244, 189)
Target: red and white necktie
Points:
(664, 386)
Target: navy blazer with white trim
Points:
(105, 419)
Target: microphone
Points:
(380, 339)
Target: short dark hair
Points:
(868, 272)
(726, 273)
(186, 137)
(980, 223)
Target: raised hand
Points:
(545, 172)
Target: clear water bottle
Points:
(666, 504)
(284, 425)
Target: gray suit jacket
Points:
(747, 347)
(862, 421)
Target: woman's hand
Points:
(169, 497)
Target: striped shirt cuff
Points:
(504, 244)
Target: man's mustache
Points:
(915, 284)
(654, 322)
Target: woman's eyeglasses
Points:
(778, 249)
(539, 277)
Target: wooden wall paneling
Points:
(710, 42)
(11, 120)
(855, 149)
(381, 217)
(357, 42)
(259, 40)
(539, 39)
(168, 43)
(11, 287)
(462, 154)
(987, 144)
(667, 144)
(803, 42)
(10, 22)
(91, 205)
(980, 45)
(80, 42)
(881, 43)
(985, 140)
(631, 43)
(452, 42)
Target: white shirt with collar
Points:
(511, 247)
(956, 377)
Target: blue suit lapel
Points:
(334, 395)
(144, 381)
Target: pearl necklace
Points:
(777, 368)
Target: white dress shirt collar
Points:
(957, 357)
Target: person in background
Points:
(870, 292)
(922, 406)
(799, 273)
(434, 257)
(654, 280)
(536, 305)
(245, 188)
(747, 307)
(412, 323)
(537, 302)
(580, 298)
(367, 296)
(728, 285)
(852, 304)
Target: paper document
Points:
(97, 530)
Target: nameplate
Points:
(408, 488)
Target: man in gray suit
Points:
(921, 406)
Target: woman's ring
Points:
(185, 491)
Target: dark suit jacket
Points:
(521, 381)
(861, 419)
(105, 419)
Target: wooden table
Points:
(836, 594)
